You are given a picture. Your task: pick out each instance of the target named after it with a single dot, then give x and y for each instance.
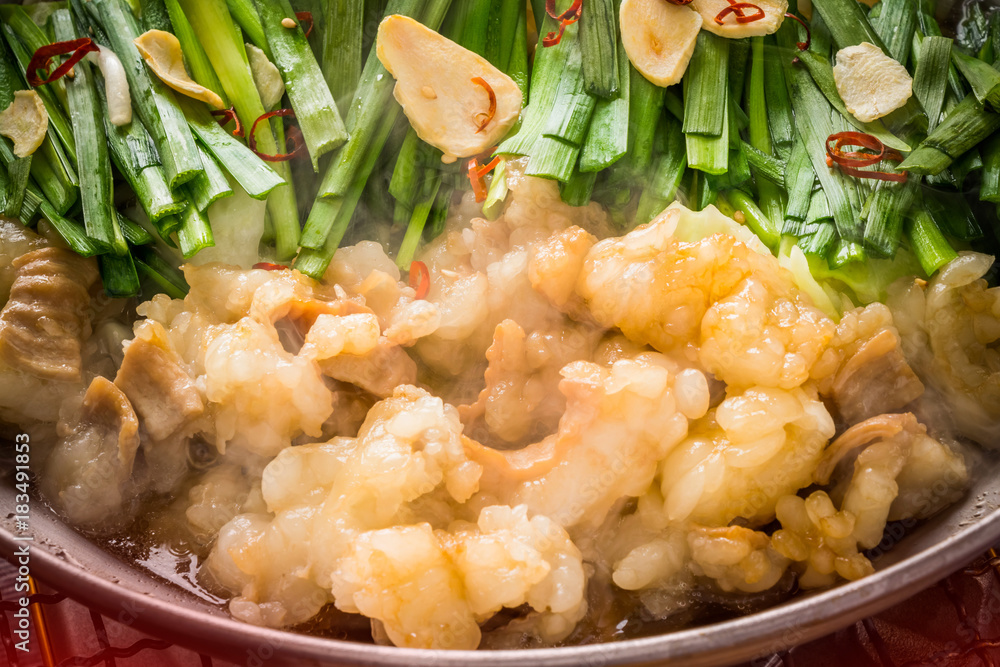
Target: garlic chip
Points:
(454, 99)
(25, 122)
(774, 14)
(871, 83)
(266, 77)
(162, 52)
(659, 38)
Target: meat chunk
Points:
(88, 471)
(163, 393)
(47, 318)
(864, 370)
(379, 371)
(15, 240)
(875, 379)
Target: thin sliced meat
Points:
(163, 393)
(47, 317)
(875, 379)
(379, 371)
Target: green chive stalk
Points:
(760, 132)
(705, 86)
(930, 78)
(928, 243)
(896, 24)
(607, 137)
(645, 108)
(599, 44)
(245, 14)
(342, 49)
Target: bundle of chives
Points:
(254, 175)
(134, 154)
(315, 110)
(214, 28)
(313, 261)
(849, 26)
(70, 231)
(372, 107)
(814, 123)
(18, 28)
(157, 110)
(93, 161)
(822, 74)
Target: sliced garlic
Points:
(871, 83)
(774, 14)
(266, 77)
(162, 52)
(659, 38)
(434, 84)
(25, 122)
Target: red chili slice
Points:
(568, 17)
(487, 168)
(307, 17)
(802, 45)
(679, 2)
(295, 138)
(900, 177)
(268, 266)
(573, 11)
(737, 9)
(420, 279)
(478, 185)
(493, 103)
(226, 115)
(854, 158)
(850, 162)
(41, 58)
